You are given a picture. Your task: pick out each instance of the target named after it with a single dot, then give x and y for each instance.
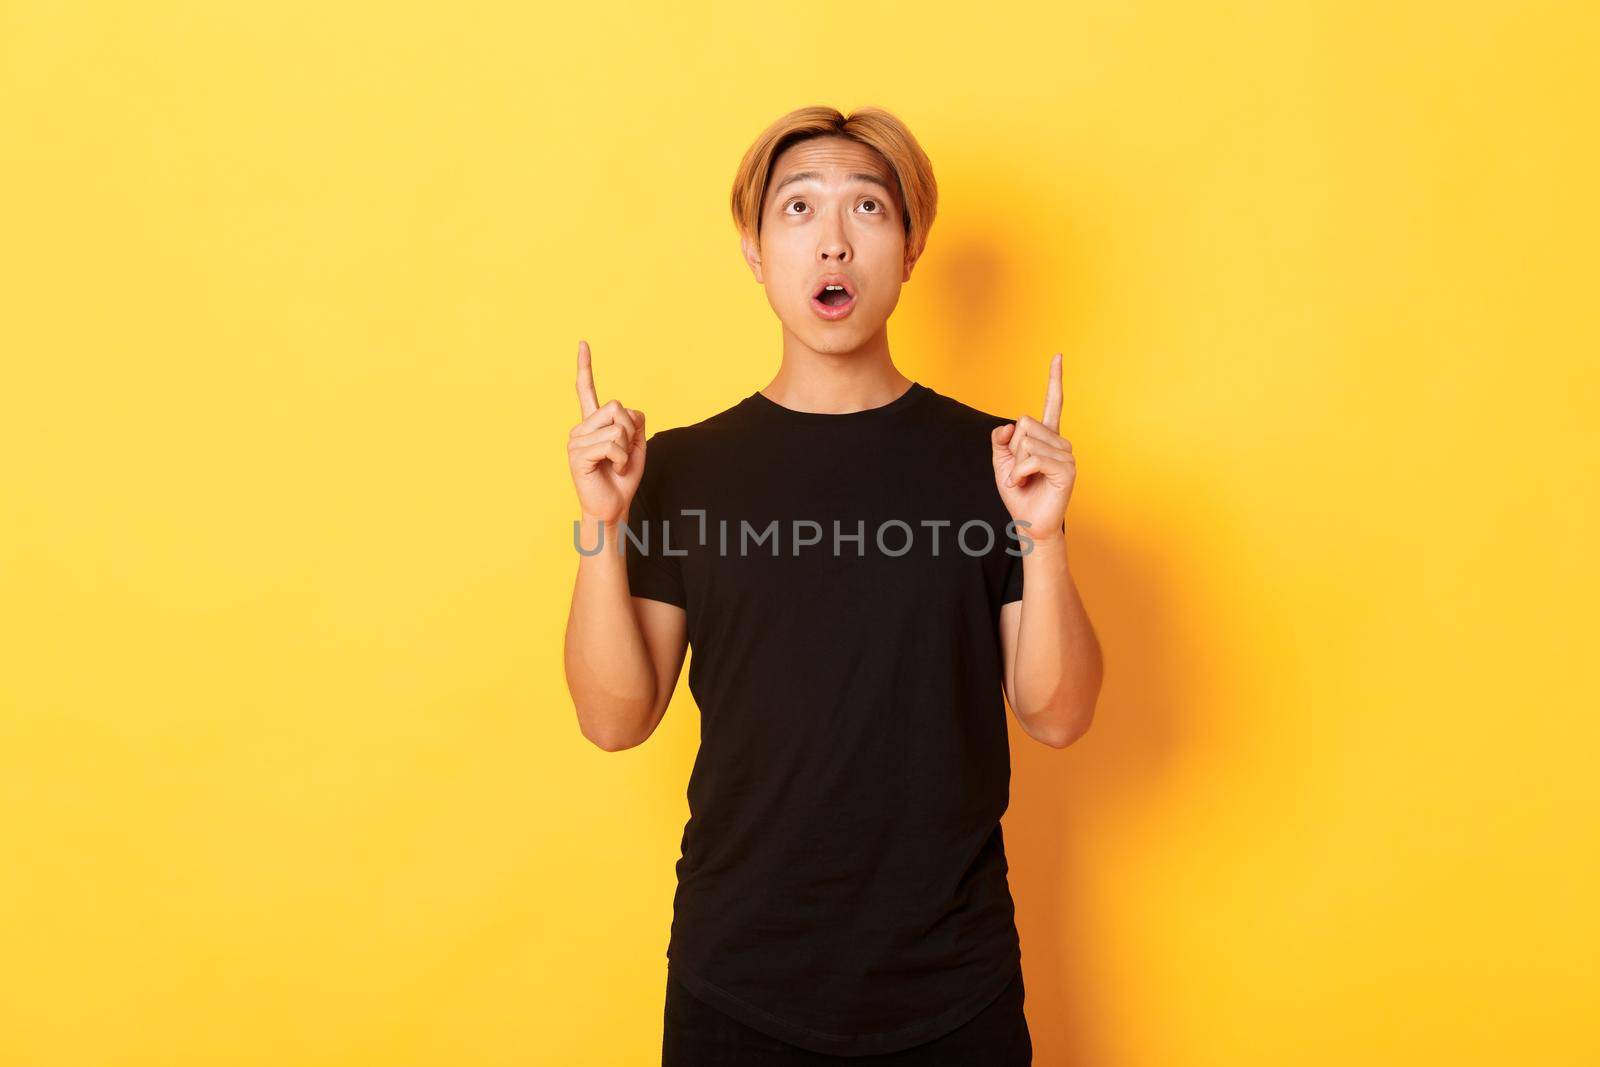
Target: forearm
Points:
(1057, 663)
(608, 667)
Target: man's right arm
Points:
(623, 653)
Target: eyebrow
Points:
(816, 175)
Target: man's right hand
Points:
(605, 450)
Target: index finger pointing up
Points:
(1052, 396)
(587, 402)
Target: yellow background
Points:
(291, 300)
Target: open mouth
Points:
(833, 299)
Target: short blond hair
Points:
(871, 126)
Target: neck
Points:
(836, 382)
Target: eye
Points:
(874, 202)
(791, 204)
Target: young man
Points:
(862, 566)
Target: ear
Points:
(752, 256)
(911, 261)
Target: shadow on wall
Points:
(1059, 796)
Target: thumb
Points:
(638, 428)
(999, 440)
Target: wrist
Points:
(1041, 532)
(590, 521)
(1051, 544)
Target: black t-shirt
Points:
(842, 884)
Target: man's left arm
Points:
(1053, 664)
(1052, 657)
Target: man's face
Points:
(832, 208)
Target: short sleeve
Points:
(651, 573)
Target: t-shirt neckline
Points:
(904, 400)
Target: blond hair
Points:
(871, 126)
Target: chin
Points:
(837, 342)
(832, 339)
(840, 344)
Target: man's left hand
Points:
(1034, 468)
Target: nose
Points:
(834, 248)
